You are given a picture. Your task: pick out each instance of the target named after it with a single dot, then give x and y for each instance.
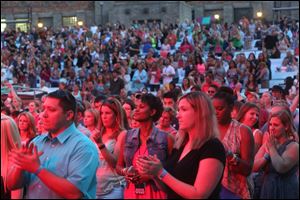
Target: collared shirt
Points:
(70, 155)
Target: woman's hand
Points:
(98, 138)
(271, 143)
(131, 174)
(148, 165)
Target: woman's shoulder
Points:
(213, 148)
(214, 142)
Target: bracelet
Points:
(38, 170)
(237, 159)
(267, 157)
(162, 174)
(102, 146)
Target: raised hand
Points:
(271, 142)
(98, 138)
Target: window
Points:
(47, 21)
(3, 24)
(145, 11)
(22, 24)
(241, 12)
(163, 10)
(69, 21)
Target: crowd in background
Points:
(208, 132)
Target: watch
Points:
(38, 170)
(162, 174)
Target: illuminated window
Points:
(22, 24)
(69, 21)
(3, 24)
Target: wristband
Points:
(38, 170)
(102, 146)
(267, 157)
(162, 174)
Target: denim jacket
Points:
(156, 144)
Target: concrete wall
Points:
(126, 12)
(97, 12)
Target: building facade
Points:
(26, 14)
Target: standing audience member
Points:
(236, 109)
(165, 120)
(26, 127)
(109, 184)
(239, 145)
(10, 139)
(34, 110)
(212, 90)
(279, 158)
(146, 140)
(91, 120)
(169, 100)
(249, 115)
(140, 78)
(67, 166)
(129, 107)
(195, 167)
(116, 83)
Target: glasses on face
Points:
(210, 91)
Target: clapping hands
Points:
(26, 158)
(148, 165)
(271, 142)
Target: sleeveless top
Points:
(150, 191)
(107, 178)
(266, 75)
(233, 181)
(281, 185)
(157, 143)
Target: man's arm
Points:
(59, 185)
(30, 162)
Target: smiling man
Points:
(60, 164)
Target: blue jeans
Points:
(226, 194)
(116, 193)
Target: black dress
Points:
(186, 169)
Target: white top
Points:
(167, 71)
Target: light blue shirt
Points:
(142, 77)
(70, 155)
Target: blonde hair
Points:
(10, 139)
(31, 124)
(204, 116)
(95, 114)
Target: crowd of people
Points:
(150, 111)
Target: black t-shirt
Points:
(186, 170)
(270, 41)
(134, 52)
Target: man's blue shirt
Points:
(71, 155)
